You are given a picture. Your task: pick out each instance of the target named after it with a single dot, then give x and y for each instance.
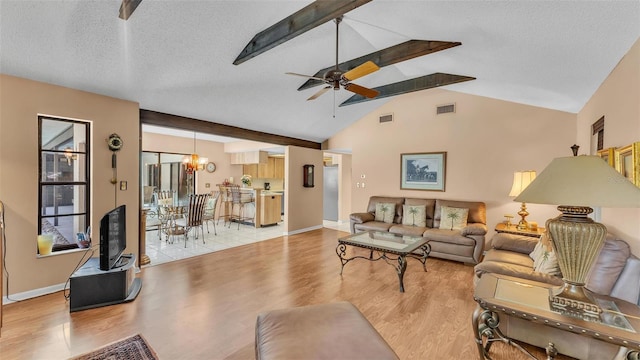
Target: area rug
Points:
(131, 348)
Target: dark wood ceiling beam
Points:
(411, 85)
(389, 56)
(150, 117)
(127, 8)
(309, 17)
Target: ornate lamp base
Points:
(577, 241)
(574, 300)
(523, 224)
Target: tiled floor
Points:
(160, 251)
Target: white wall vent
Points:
(386, 118)
(445, 109)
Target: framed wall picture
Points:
(423, 171)
(628, 162)
(608, 155)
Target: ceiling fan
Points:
(336, 78)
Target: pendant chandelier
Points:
(194, 162)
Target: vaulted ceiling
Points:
(177, 56)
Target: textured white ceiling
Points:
(176, 56)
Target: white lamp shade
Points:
(581, 181)
(521, 179)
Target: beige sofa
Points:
(465, 245)
(616, 273)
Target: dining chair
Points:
(210, 211)
(164, 200)
(194, 215)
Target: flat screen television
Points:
(113, 237)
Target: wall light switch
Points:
(357, 184)
(363, 185)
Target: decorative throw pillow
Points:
(385, 212)
(547, 263)
(414, 215)
(536, 251)
(453, 218)
(544, 258)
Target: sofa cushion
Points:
(608, 265)
(407, 230)
(385, 212)
(373, 225)
(520, 271)
(453, 218)
(448, 236)
(414, 215)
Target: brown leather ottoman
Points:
(327, 331)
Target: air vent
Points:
(444, 109)
(386, 118)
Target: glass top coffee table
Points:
(385, 244)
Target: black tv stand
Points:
(91, 287)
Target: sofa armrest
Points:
(517, 243)
(474, 229)
(360, 218)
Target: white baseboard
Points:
(31, 294)
(303, 230)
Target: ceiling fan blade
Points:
(305, 76)
(360, 71)
(317, 95)
(361, 90)
(416, 84)
(401, 52)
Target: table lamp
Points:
(522, 179)
(575, 184)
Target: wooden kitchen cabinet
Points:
(270, 209)
(250, 169)
(249, 157)
(266, 171)
(278, 168)
(272, 169)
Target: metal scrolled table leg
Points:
(402, 267)
(341, 251)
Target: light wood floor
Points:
(205, 307)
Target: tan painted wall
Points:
(618, 100)
(486, 140)
(303, 206)
(209, 149)
(21, 101)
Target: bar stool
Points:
(224, 200)
(239, 200)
